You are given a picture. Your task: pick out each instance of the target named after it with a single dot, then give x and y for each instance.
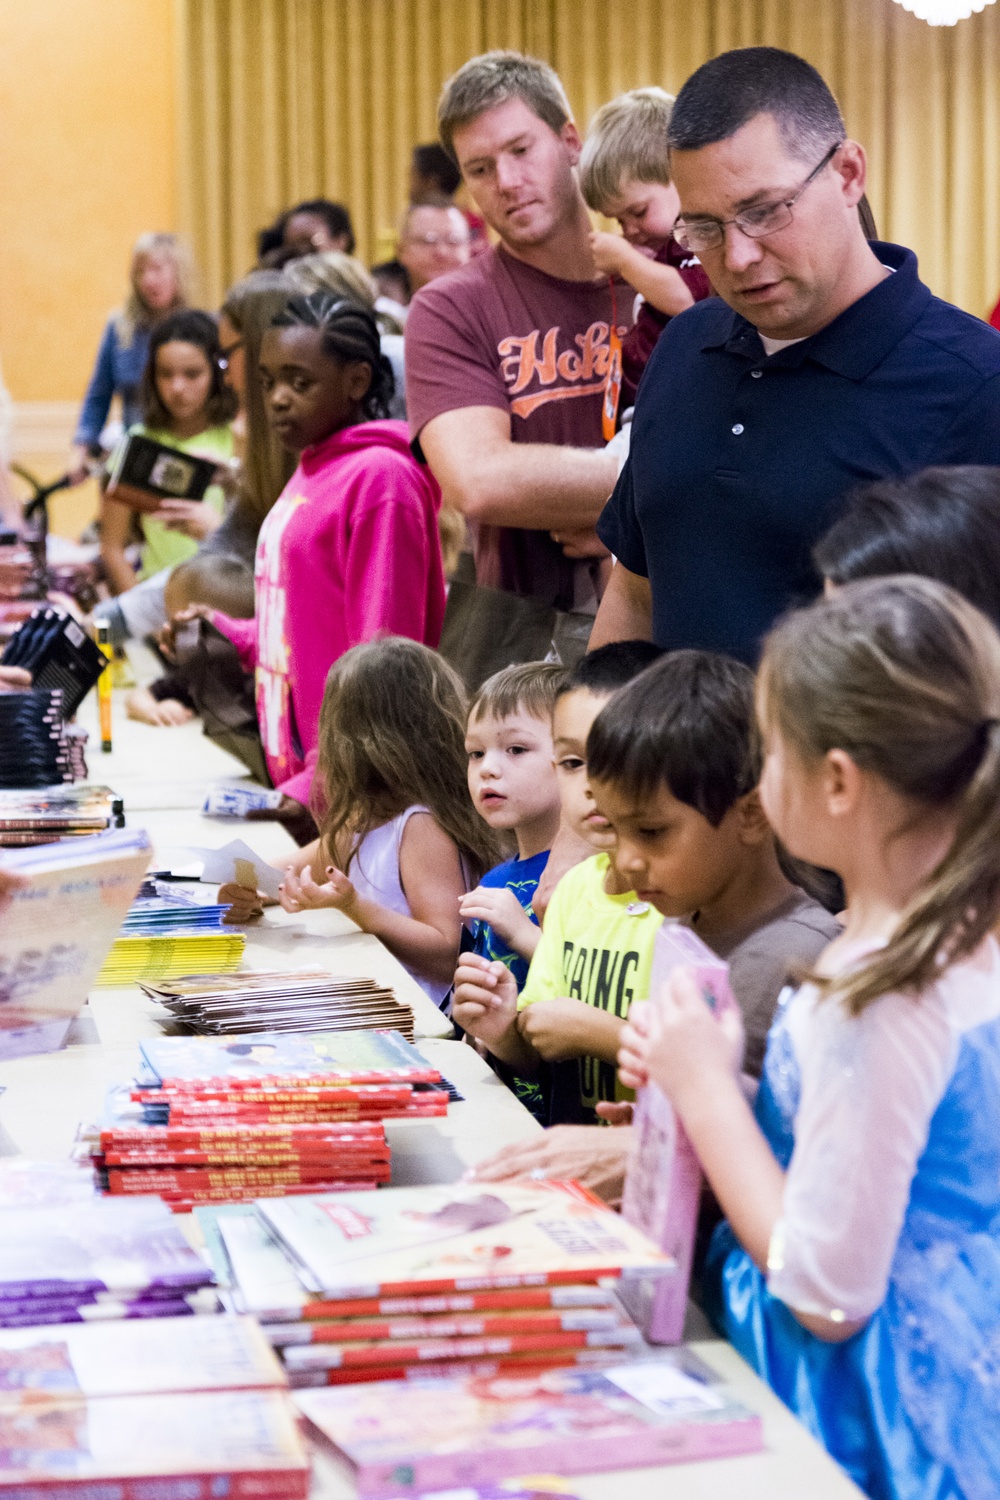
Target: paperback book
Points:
(320, 1060)
(299, 1001)
(145, 472)
(467, 1430)
(57, 930)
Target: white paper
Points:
(218, 866)
(665, 1388)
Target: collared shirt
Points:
(740, 462)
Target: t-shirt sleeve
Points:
(618, 527)
(765, 962)
(449, 363)
(870, 1085)
(545, 979)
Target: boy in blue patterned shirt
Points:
(512, 782)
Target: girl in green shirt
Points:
(187, 405)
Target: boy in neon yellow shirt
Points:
(596, 947)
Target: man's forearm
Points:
(625, 612)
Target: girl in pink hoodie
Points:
(350, 550)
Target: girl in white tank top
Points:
(401, 842)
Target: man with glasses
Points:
(434, 239)
(827, 363)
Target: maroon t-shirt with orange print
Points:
(499, 333)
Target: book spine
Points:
(362, 1154)
(251, 1484)
(183, 1203)
(500, 1324)
(529, 1296)
(195, 1179)
(346, 1356)
(519, 1364)
(145, 1137)
(331, 1079)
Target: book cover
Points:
(59, 808)
(290, 1061)
(126, 1359)
(240, 1444)
(144, 473)
(109, 1244)
(663, 1180)
(399, 1439)
(57, 929)
(461, 1237)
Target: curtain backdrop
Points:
(289, 99)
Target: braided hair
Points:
(348, 332)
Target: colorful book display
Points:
(458, 1431)
(57, 930)
(167, 935)
(270, 1115)
(355, 1287)
(56, 812)
(296, 1001)
(663, 1182)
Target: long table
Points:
(162, 775)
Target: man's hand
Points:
(505, 914)
(485, 1000)
(580, 542)
(566, 1153)
(561, 1028)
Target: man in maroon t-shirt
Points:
(506, 361)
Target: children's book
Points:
(398, 1439)
(107, 1245)
(58, 653)
(264, 1058)
(242, 1445)
(58, 928)
(144, 473)
(129, 1359)
(663, 1181)
(407, 1241)
(60, 809)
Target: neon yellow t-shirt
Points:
(596, 948)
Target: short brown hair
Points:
(530, 687)
(493, 78)
(627, 138)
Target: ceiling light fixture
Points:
(943, 12)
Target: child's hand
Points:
(505, 914)
(245, 905)
(192, 517)
(143, 707)
(610, 252)
(485, 1000)
(633, 1054)
(561, 1028)
(300, 892)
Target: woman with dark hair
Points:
(350, 551)
(187, 405)
(941, 523)
(316, 224)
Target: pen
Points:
(104, 687)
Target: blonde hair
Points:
(627, 139)
(135, 314)
(333, 271)
(903, 674)
(392, 735)
(493, 78)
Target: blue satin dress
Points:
(910, 1406)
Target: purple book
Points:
(130, 1246)
(663, 1182)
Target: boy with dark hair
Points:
(594, 954)
(675, 769)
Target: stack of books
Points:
(98, 1259)
(49, 813)
(211, 1121)
(460, 1431)
(168, 936)
(513, 1276)
(298, 1001)
(196, 1409)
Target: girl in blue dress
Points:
(859, 1267)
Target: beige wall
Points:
(87, 162)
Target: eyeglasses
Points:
(697, 235)
(224, 356)
(454, 241)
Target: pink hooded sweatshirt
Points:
(348, 552)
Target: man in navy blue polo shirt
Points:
(825, 364)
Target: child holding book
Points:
(350, 550)
(401, 843)
(858, 1270)
(513, 785)
(596, 947)
(625, 175)
(186, 405)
